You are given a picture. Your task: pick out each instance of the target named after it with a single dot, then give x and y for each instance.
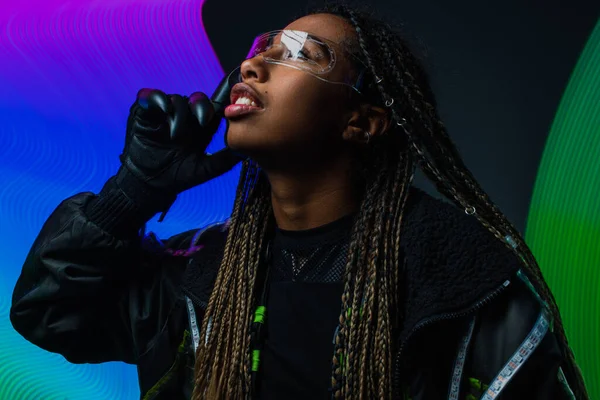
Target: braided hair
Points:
(364, 346)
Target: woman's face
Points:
(300, 118)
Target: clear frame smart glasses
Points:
(307, 53)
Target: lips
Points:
(247, 98)
(242, 90)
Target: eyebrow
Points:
(322, 44)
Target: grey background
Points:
(498, 69)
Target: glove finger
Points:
(204, 113)
(153, 99)
(153, 107)
(202, 108)
(179, 118)
(222, 94)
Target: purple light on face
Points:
(70, 71)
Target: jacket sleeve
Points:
(500, 343)
(90, 288)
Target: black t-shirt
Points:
(303, 308)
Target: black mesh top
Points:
(303, 308)
(315, 255)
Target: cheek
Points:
(306, 106)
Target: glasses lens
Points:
(294, 48)
(259, 46)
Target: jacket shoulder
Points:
(187, 243)
(451, 259)
(435, 224)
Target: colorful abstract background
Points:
(71, 69)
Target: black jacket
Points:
(95, 297)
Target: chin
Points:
(244, 141)
(234, 139)
(237, 144)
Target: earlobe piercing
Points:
(367, 137)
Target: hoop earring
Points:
(367, 137)
(470, 210)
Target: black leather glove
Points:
(166, 141)
(164, 154)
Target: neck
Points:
(312, 199)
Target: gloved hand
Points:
(164, 154)
(167, 136)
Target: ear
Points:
(367, 122)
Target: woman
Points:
(334, 277)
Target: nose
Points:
(254, 69)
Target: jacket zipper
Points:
(438, 318)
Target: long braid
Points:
(362, 364)
(245, 278)
(202, 358)
(361, 297)
(404, 81)
(367, 300)
(222, 361)
(226, 342)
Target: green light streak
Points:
(563, 227)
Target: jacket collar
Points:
(452, 261)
